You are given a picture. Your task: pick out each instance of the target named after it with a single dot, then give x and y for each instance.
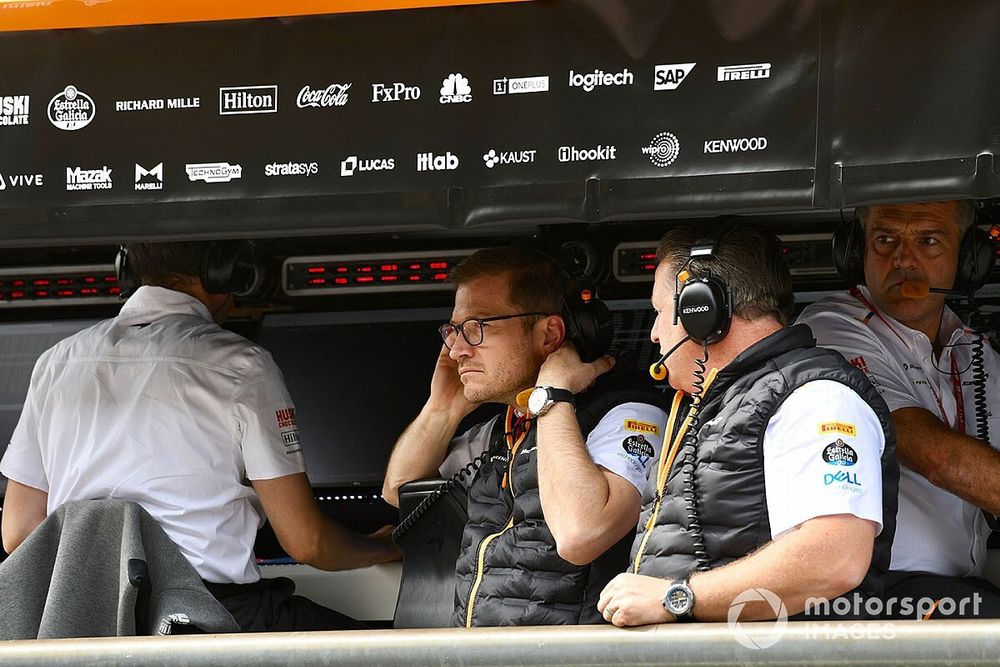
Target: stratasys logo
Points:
(291, 169)
(72, 109)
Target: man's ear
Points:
(551, 331)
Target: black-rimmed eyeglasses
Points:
(472, 328)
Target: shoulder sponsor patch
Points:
(285, 417)
(641, 427)
(637, 445)
(839, 453)
(838, 427)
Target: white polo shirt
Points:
(936, 531)
(162, 406)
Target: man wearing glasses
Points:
(558, 492)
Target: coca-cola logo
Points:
(334, 95)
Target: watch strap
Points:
(687, 616)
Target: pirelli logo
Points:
(838, 427)
(641, 427)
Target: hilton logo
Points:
(247, 100)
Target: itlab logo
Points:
(432, 162)
(148, 179)
(72, 109)
(669, 77)
(663, 149)
(757, 635)
(455, 89)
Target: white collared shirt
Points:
(162, 406)
(936, 531)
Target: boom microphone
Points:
(918, 289)
(658, 371)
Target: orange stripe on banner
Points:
(52, 14)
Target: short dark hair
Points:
(747, 258)
(169, 265)
(536, 284)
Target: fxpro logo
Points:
(596, 154)
(663, 149)
(291, 169)
(520, 85)
(431, 162)
(235, 100)
(669, 77)
(741, 145)
(353, 164)
(334, 95)
(455, 89)
(88, 179)
(493, 157)
(14, 109)
(148, 179)
(213, 172)
(744, 72)
(394, 92)
(71, 109)
(600, 78)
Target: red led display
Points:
(365, 279)
(317, 281)
(438, 265)
(340, 281)
(316, 269)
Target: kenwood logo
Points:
(148, 179)
(694, 309)
(455, 89)
(519, 85)
(741, 145)
(494, 157)
(158, 104)
(213, 172)
(663, 149)
(394, 92)
(745, 72)
(14, 109)
(668, 77)
(431, 162)
(598, 153)
(88, 179)
(248, 99)
(291, 169)
(334, 95)
(71, 109)
(598, 78)
(353, 164)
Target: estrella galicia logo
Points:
(839, 453)
(637, 445)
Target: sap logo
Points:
(334, 95)
(353, 164)
(213, 172)
(741, 145)
(248, 99)
(148, 179)
(291, 169)
(431, 162)
(574, 154)
(494, 157)
(669, 77)
(744, 72)
(394, 92)
(21, 181)
(71, 109)
(88, 179)
(695, 309)
(599, 77)
(14, 109)
(455, 89)
(842, 476)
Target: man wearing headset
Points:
(897, 329)
(553, 505)
(779, 475)
(162, 406)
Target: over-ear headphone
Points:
(976, 255)
(127, 281)
(589, 322)
(226, 267)
(703, 304)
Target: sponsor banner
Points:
(78, 178)
(213, 172)
(394, 92)
(291, 169)
(641, 427)
(14, 109)
(493, 157)
(72, 109)
(663, 149)
(21, 181)
(520, 85)
(437, 162)
(455, 89)
(158, 104)
(148, 179)
(670, 77)
(599, 153)
(352, 165)
(741, 145)
(600, 79)
(236, 100)
(334, 95)
(744, 72)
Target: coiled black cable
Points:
(979, 390)
(688, 470)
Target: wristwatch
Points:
(679, 600)
(542, 398)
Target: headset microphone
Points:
(918, 289)
(658, 371)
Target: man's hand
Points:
(563, 369)
(634, 599)
(384, 536)
(447, 391)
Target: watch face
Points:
(536, 401)
(678, 600)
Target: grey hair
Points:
(965, 216)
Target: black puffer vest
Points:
(729, 461)
(508, 569)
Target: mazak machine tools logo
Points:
(455, 89)
(14, 109)
(432, 162)
(72, 109)
(669, 77)
(236, 100)
(745, 72)
(88, 179)
(148, 179)
(213, 172)
(334, 95)
(663, 149)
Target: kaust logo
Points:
(520, 85)
(71, 109)
(494, 157)
(598, 153)
(235, 100)
(21, 181)
(148, 179)
(213, 172)
(431, 162)
(14, 109)
(663, 149)
(291, 169)
(744, 72)
(455, 89)
(88, 179)
(599, 78)
(669, 77)
(741, 145)
(334, 95)
(394, 92)
(353, 164)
